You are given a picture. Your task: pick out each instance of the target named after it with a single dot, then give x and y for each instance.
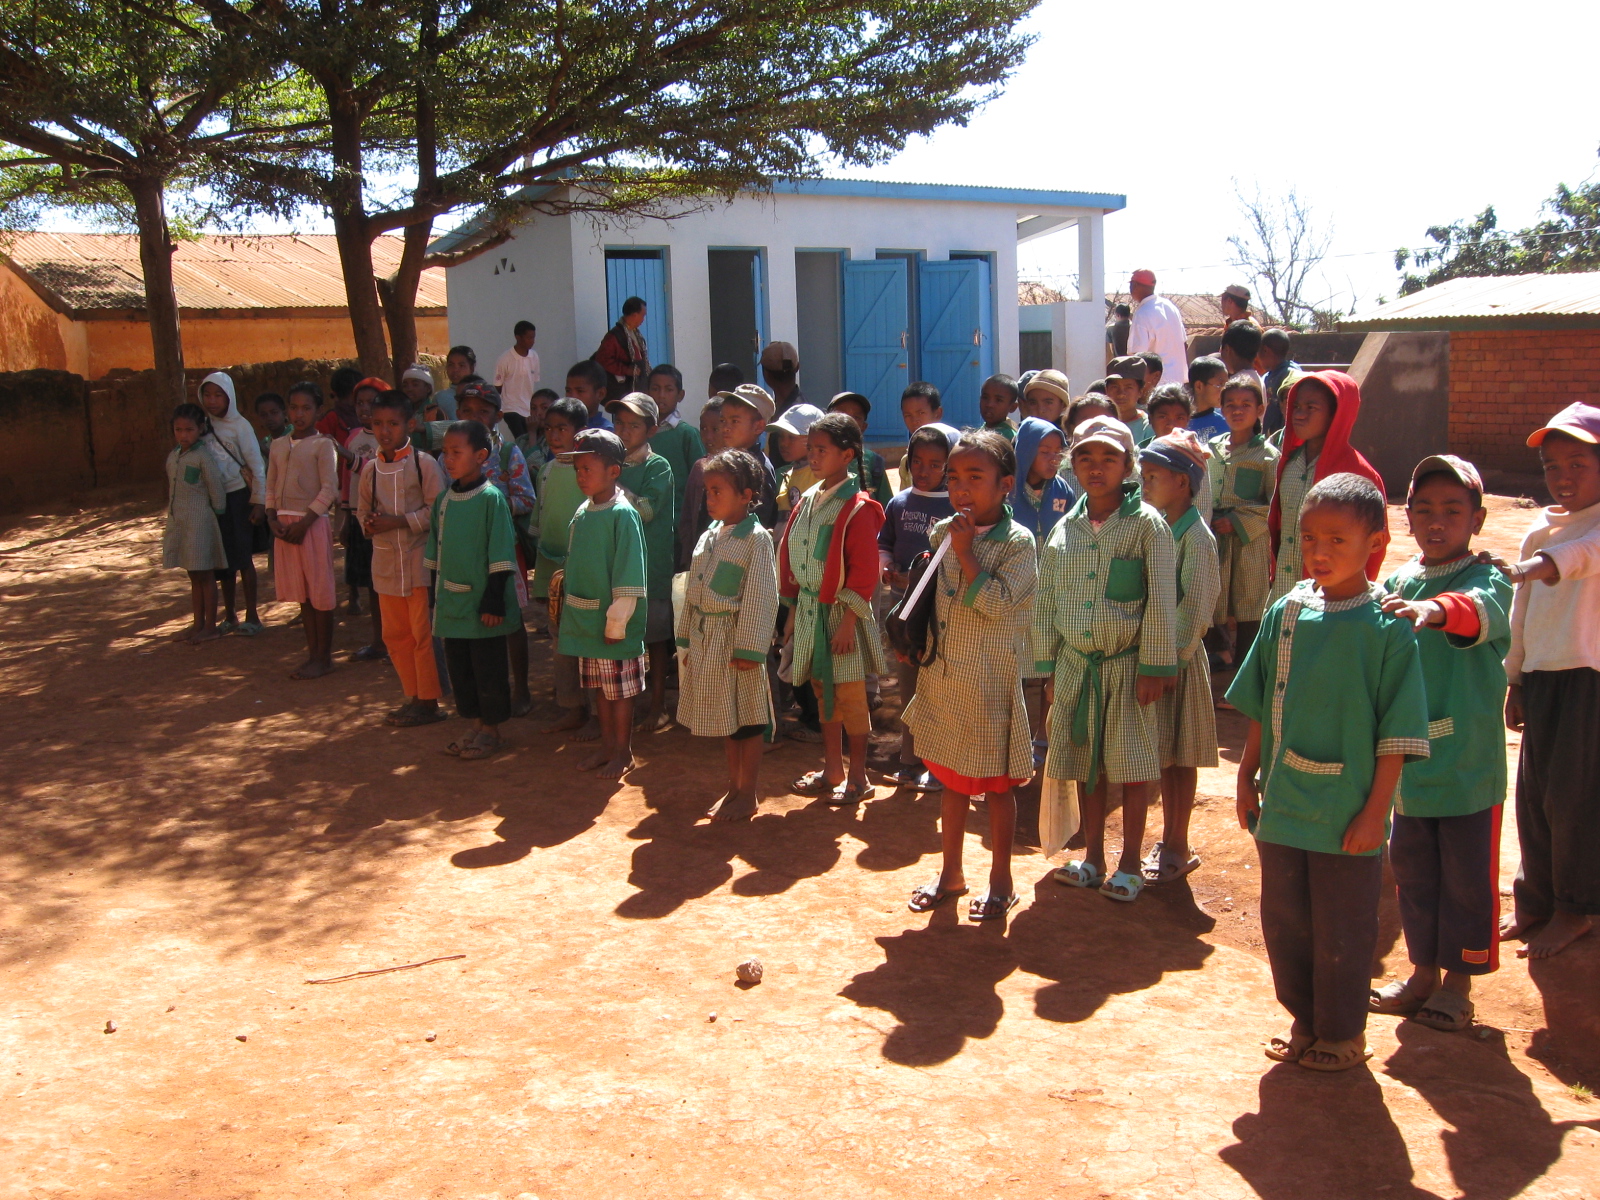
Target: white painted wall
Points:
(559, 283)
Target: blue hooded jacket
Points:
(1058, 495)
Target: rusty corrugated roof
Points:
(90, 273)
(1490, 301)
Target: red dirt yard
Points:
(190, 837)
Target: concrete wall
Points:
(66, 436)
(1405, 379)
(1506, 383)
(1309, 348)
(559, 277)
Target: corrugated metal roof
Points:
(86, 273)
(1490, 301)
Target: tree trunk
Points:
(399, 295)
(160, 297)
(347, 207)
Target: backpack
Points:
(910, 624)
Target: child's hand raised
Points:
(962, 530)
(1421, 613)
(1365, 833)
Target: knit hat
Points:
(1180, 450)
(1463, 472)
(418, 372)
(378, 385)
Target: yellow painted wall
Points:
(33, 335)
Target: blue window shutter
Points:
(957, 334)
(876, 334)
(632, 273)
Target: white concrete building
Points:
(877, 284)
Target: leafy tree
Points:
(1567, 238)
(107, 107)
(498, 109)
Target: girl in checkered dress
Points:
(1243, 471)
(725, 629)
(1103, 628)
(968, 717)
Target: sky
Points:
(1386, 116)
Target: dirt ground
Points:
(189, 837)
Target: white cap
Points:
(798, 419)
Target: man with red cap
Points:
(1158, 327)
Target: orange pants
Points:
(408, 634)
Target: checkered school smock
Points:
(1299, 473)
(729, 611)
(192, 539)
(1103, 616)
(1187, 714)
(968, 713)
(1242, 478)
(808, 545)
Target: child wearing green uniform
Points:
(1103, 631)
(725, 629)
(192, 539)
(1334, 693)
(472, 550)
(647, 481)
(1172, 468)
(1243, 472)
(998, 398)
(604, 584)
(1445, 844)
(869, 471)
(675, 439)
(560, 498)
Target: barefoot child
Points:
(725, 628)
(1103, 631)
(827, 573)
(1334, 693)
(647, 481)
(1172, 468)
(472, 552)
(605, 583)
(232, 441)
(968, 717)
(1243, 472)
(1554, 671)
(394, 504)
(302, 486)
(192, 539)
(1445, 845)
(559, 500)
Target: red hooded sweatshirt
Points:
(1337, 456)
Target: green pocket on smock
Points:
(191, 475)
(819, 548)
(1247, 483)
(727, 579)
(580, 621)
(1125, 580)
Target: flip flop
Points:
(930, 895)
(1395, 999)
(1079, 875)
(481, 746)
(1161, 867)
(456, 747)
(228, 626)
(249, 628)
(1289, 1051)
(988, 907)
(848, 795)
(1446, 1011)
(812, 783)
(1133, 884)
(1347, 1054)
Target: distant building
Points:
(75, 301)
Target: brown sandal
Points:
(482, 745)
(1346, 1054)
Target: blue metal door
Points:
(642, 273)
(876, 334)
(957, 334)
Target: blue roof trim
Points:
(886, 190)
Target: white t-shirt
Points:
(517, 378)
(1556, 627)
(1158, 327)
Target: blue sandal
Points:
(1079, 875)
(1134, 884)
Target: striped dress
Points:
(1242, 478)
(968, 713)
(1104, 615)
(192, 539)
(1187, 713)
(730, 609)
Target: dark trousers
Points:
(516, 422)
(1448, 872)
(1558, 794)
(480, 674)
(1319, 919)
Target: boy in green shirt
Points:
(647, 481)
(559, 499)
(997, 400)
(1444, 847)
(1334, 694)
(604, 581)
(675, 439)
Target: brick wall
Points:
(1506, 383)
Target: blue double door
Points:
(948, 340)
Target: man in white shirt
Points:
(1158, 326)
(516, 375)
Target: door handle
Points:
(977, 337)
(902, 339)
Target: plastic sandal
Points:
(989, 907)
(1345, 1055)
(1132, 884)
(1395, 999)
(1161, 867)
(1446, 1011)
(250, 628)
(482, 746)
(848, 795)
(1079, 875)
(812, 783)
(930, 895)
(1289, 1051)
(228, 626)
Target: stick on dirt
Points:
(385, 970)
